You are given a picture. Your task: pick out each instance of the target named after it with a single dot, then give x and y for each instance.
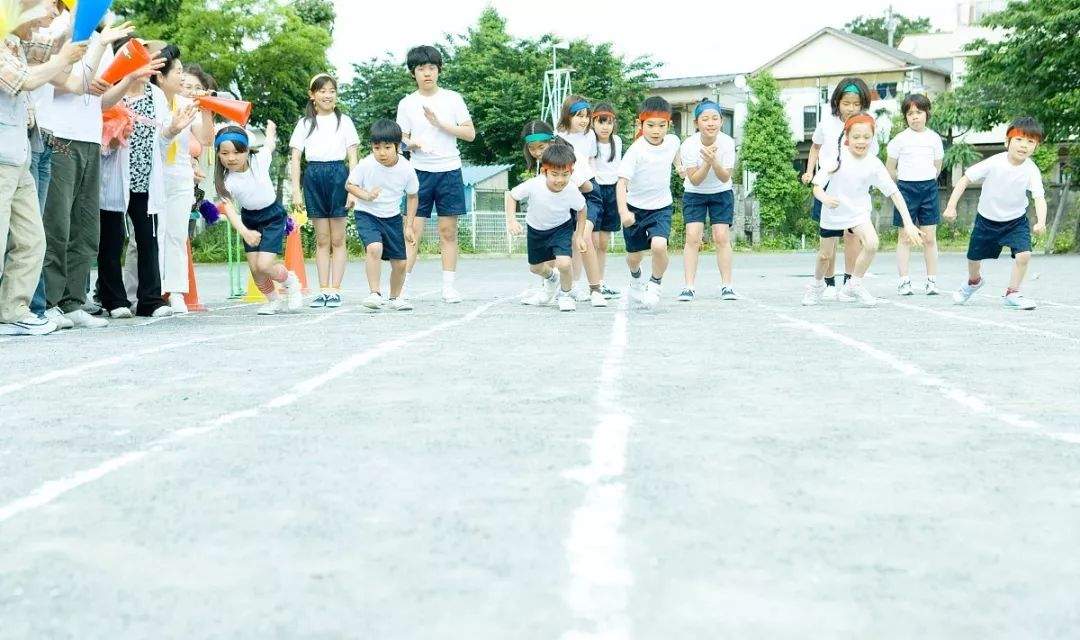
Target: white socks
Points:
(448, 278)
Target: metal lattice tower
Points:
(556, 88)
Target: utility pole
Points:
(891, 23)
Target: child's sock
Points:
(594, 288)
(931, 278)
(855, 282)
(976, 281)
(656, 280)
(818, 282)
(267, 288)
(847, 276)
(636, 275)
(553, 276)
(830, 281)
(448, 278)
(325, 290)
(1009, 291)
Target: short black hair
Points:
(171, 55)
(424, 54)
(559, 155)
(655, 104)
(1028, 126)
(842, 87)
(385, 130)
(917, 100)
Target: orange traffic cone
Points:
(129, 59)
(294, 258)
(191, 298)
(238, 111)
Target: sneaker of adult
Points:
(58, 318)
(1018, 301)
(903, 288)
(597, 299)
(319, 301)
(121, 313)
(566, 301)
(814, 294)
(728, 294)
(686, 295)
(83, 320)
(650, 299)
(829, 294)
(333, 301)
(608, 292)
(373, 301)
(931, 288)
(28, 325)
(294, 296)
(164, 311)
(176, 301)
(400, 304)
(859, 294)
(450, 295)
(966, 290)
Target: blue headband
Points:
(231, 136)
(704, 106)
(580, 105)
(538, 137)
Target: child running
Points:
(708, 158)
(1002, 215)
(644, 197)
(850, 97)
(244, 181)
(914, 161)
(609, 151)
(379, 181)
(553, 203)
(844, 190)
(326, 138)
(574, 128)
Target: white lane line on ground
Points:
(920, 376)
(53, 489)
(68, 372)
(600, 577)
(988, 323)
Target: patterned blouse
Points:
(142, 140)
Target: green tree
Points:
(875, 27)
(767, 151)
(317, 13)
(952, 117)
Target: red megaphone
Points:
(129, 59)
(238, 111)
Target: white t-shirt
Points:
(393, 182)
(329, 142)
(830, 130)
(608, 172)
(648, 168)
(915, 153)
(73, 117)
(547, 209)
(1005, 186)
(438, 150)
(691, 159)
(584, 144)
(851, 186)
(253, 189)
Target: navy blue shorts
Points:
(609, 211)
(815, 209)
(390, 232)
(324, 189)
(648, 224)
(989, 237)
(270, 222)
(718, 208)
(923, 202)
(833, 233)
(594, 205)
(443, 190)
(544, 246)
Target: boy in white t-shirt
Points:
(914, 161)
(708, 158)
(378, 182)
(554, 204)
(644, 198)
(1002, 216)
(433, 119)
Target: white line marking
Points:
(957, 395)
(55, 488)
(989, 323)
(600, 582)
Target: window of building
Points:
(810, 119)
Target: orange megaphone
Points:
(238, 111)
(129, 59)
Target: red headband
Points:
(1016, 132)
(650, 115)
(862, 118)
(598, 114)
(548, 165)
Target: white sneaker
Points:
(566, 301)
(903, 288)
(814, 294)
(374, 301)
(121, 313)
(844, 294)
(294, 296)
(450, 295)
(636, 290)
(84, 320)
(858, 293)
(399, 304)
(931, 288)
(728, 293)
(964, 293)
(58, 318)
(829, 294)
(176, 301)
(687, 295)
(1018, 301)
(164, 311)
(272, 307)
(597, 299)
(28, 325)
(581, 294)
(651, 297)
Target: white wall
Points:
(830, 56)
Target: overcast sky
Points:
(719, 38)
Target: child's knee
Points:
(562, 263)
(658, 244)
(337, 241)
(1023, 258)
(721, 235)
(871, 244)
(397, 266)
(374, 249)
(538, 269)
(448, 231)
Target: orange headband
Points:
(862, 118)
(650, 115)
(548, 165)
(1016, 132)
(598, 114)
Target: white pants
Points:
(173, 234)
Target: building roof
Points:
(472, 175)
(870, 44)
(947, 44)
(691, 81)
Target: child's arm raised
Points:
(954, 199)
(512, 225)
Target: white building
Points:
(685, 93)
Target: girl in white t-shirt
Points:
(609, 147)
(252, 207)
(575, 127)
(327, 139)
(844, 192)
(914, 161)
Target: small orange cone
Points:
(191, 298)
(239, 111)
(294, 258)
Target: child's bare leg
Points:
(694, 233)
(373, 265)
(852, 249)
(601, 240)
(826, 258)
(930, 249)
(1019, 270)
(397, 277)
(721, 234)
(868, 246)
(660, 258)
(565, 267)
(903, 255)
